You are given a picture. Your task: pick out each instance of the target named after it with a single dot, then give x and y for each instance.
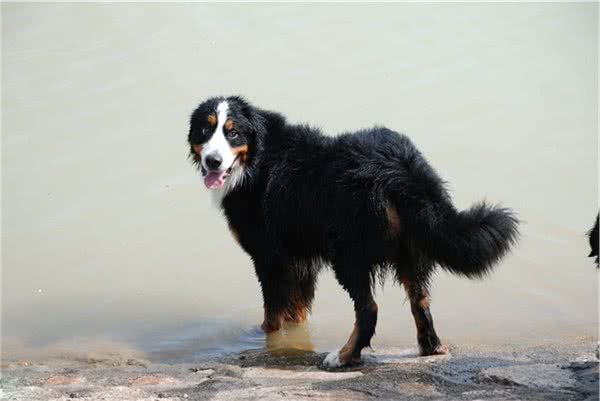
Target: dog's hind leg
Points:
(429, 343)
(358, 284)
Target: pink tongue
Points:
(214, 180)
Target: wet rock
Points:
(288, 394)
(586, 374)
(135, 362)
(231, 371)
(548, 372)
(535, 375)
(282, 374)
(153, 380)
(282, 358)
(64, 380)
(202, 372)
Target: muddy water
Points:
(110, 240)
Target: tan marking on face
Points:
(393, 222)
(197, 149)
(228, 124)
(241, 152)
(212, 120)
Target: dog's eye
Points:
(232, 134)
(204, 131)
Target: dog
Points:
(366, 203)
(593, 238)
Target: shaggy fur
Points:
(366, 203)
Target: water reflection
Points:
(292, 340)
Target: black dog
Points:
(366, 203)
(593, 237)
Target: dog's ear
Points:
(261, 121)
(264, 121)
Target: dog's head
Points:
(222, 140)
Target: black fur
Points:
(308, 199)
(593, 238)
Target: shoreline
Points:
(565, 370)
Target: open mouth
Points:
(215, 179)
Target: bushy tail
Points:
(467, 242)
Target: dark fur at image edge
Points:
(593, 238)
(308, 198)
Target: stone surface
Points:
(153, 380)
(535, 375)
(548, 372)
(64, 380)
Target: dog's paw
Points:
(332, 360)
(440, 349)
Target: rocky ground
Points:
(553, 371)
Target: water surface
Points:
(109, 236)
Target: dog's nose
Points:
(213, 161)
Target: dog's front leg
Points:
(275, 291)
(287, 295)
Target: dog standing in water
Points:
(367, 203)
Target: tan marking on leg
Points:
(419, 305)
(393, 221)
(298, 313)
(271, 323)
(345, 353)
(212, 120)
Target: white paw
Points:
(332, 360)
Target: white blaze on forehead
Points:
(218, 143)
